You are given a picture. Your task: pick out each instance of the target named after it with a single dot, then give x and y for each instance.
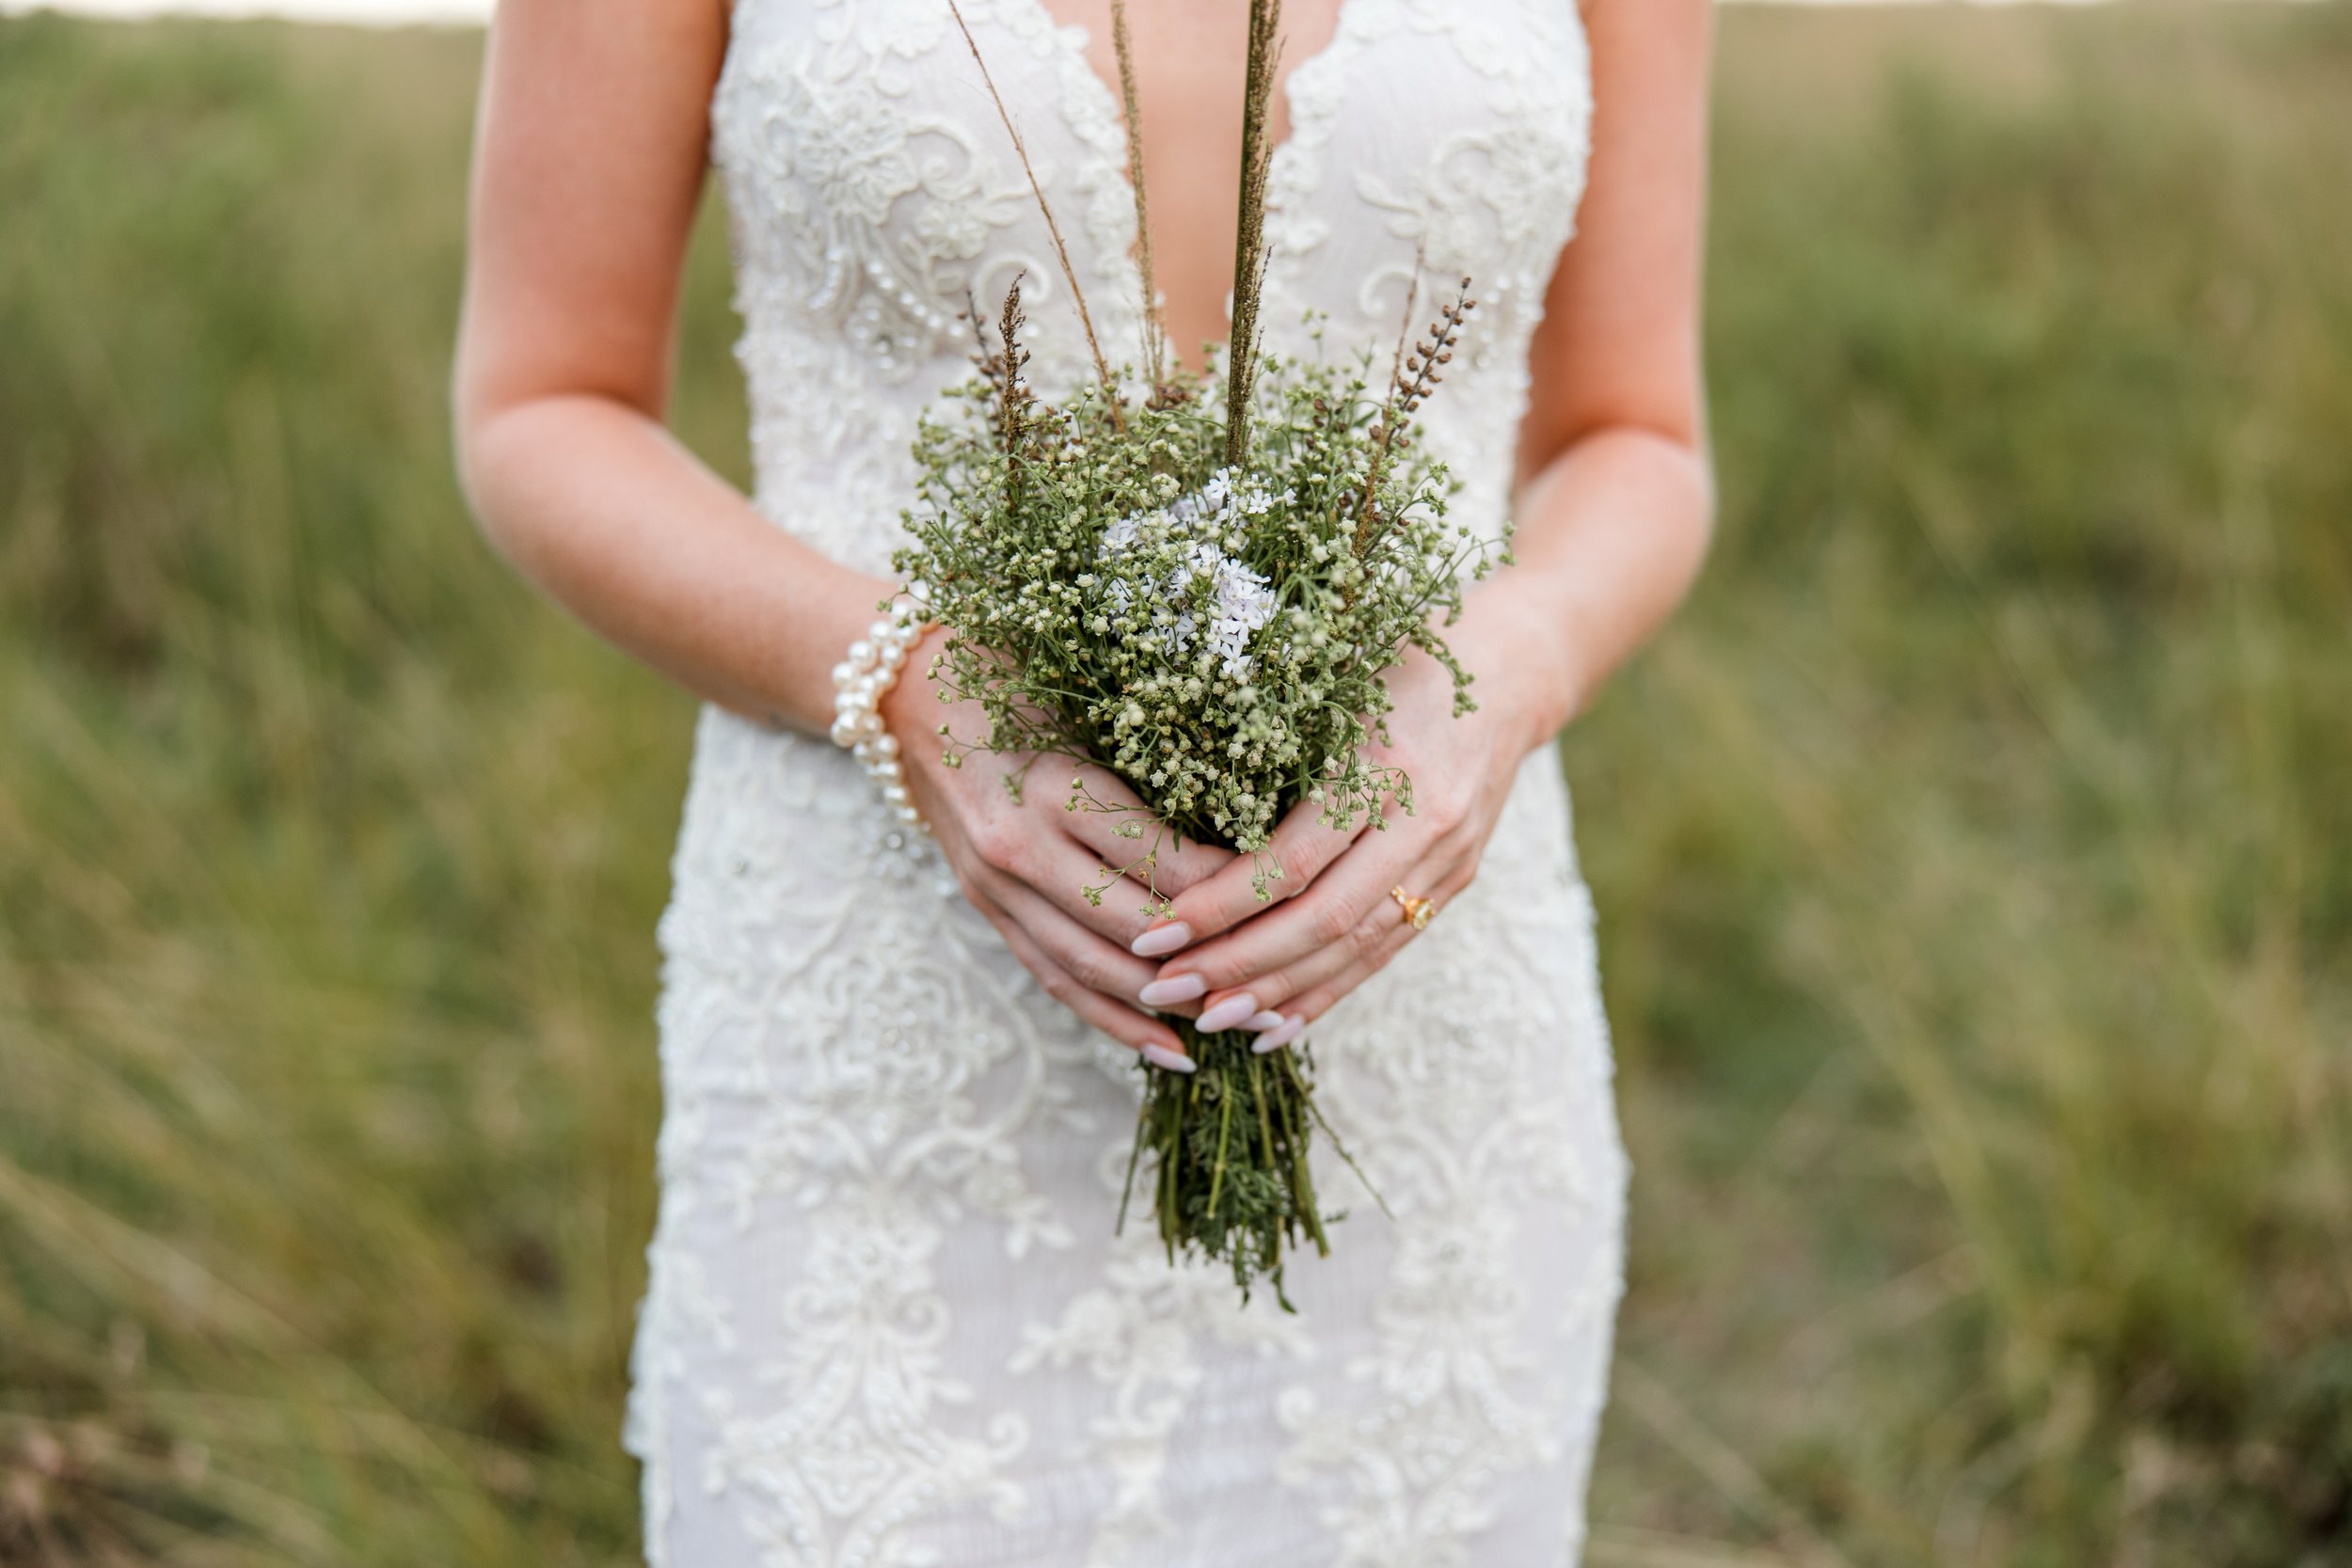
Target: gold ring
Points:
(1417, 912)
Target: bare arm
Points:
(588, 165)
(1617, 498)
(587, 169)
(1616, 505)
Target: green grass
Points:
(1974, 855)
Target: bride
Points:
(888, 1322)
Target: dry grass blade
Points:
(1061, 248)
(1249, 249)
(1154, 322)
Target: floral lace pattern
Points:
(888, 1325)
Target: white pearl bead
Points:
(867, 674)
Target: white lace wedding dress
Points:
(888, 1323)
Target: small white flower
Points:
(1241, 601)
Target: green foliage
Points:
(1216, 637)
(1229, 1141)
(1976, 915)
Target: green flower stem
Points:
(1230, 1142)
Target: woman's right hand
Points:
(1025, 860)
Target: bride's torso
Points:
(874, 193)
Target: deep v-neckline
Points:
(1282, 196)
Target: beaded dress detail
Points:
(888, 1325)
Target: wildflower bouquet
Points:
(1199, 582)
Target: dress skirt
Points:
(889, 1323)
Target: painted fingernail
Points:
(1258, 1023)
(1226, 1014)
(1166, 993)
(1160, 940)
(1160, 1055)
(1274, 1040)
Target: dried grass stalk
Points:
(1155, 324)
(1250, 252)
(1061, 250)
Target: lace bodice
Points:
(874, 192)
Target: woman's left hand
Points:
(1335, 922)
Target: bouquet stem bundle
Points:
(1230, 1144)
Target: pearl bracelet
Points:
(861, 680)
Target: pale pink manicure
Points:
(1274, 1040)
(1160, 1055)
(1228, 1014)
(1259, 1023)
(1161, 939)
(1183, 988)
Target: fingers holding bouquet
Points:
(1297, 959)
(1152, 862)
(1349, 902)
(1242, 889)
(1066, 887)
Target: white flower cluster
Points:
(1196, 530)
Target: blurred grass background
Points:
(1974, 855)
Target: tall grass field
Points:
(1974, 855)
